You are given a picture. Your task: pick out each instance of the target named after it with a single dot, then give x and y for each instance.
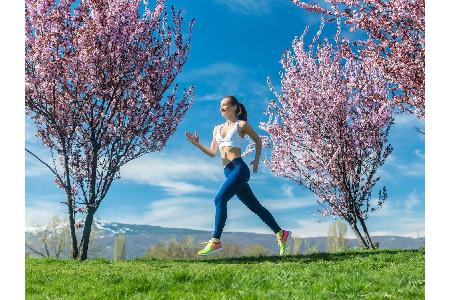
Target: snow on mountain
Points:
(141, 237)
(101, 224)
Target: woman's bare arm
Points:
(194, 139)
(247, 128)
(214, 145)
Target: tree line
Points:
(53, 239)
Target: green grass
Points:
(354, 274)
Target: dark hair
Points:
(241, 113)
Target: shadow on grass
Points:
(340, 256)
(303, 258)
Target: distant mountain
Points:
(139, 238)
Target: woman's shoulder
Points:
(242, 123)
(216, 127)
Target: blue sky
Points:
(236, 44)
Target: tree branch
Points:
(33, 250)
(44, 163)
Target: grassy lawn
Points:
(354, 274)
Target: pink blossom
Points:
(396, 43)
(95, 78)
(328, 130)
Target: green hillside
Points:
(354, 274)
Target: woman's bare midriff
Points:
(229, 153)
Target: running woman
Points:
(228, 137)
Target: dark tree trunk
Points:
(70, 205)
(84, 244)
(72, 230)
(86, 233)
(366, 232)
(358, 235)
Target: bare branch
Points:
(34, 250)
(45, 164)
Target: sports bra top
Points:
(232, 137)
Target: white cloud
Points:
(406, 119)
(398, 217)
(215, 69)
(181, 212)
(395, 207)
(412, 201)
(287, 190)
(210, 97)
(33, 167)
(414, 167)
(40, 210)
(420, 233)
(289, 203)
(248, 7)
(239, 228)
(312, 228)
(227, 79)
(387, 210)
(399, 226)
(173, 172)
(286, 198)
(199, 213)
(410, 226)
(29, 131)
(419, 153)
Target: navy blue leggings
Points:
(238, 175)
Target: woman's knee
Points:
(219, 201)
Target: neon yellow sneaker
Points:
(284, 242)
(210, 248)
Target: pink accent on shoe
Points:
(284, 236)
(216, 246)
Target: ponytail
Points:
(241, 113)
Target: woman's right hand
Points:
(193, 138)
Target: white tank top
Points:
(232, 138)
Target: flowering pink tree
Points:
(328, 131)
(396, 42)
(95, 78)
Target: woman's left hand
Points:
(255, 165)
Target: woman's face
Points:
(226, 108)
